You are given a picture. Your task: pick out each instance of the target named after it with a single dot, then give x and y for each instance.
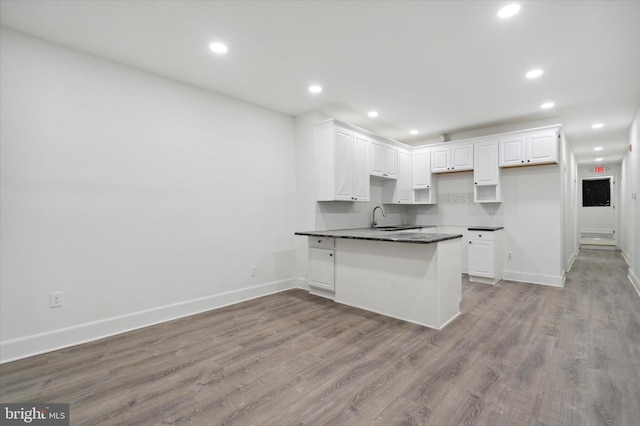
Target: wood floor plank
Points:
(518, 354)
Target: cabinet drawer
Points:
(480, 236)
(321, 242)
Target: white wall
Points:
(141, 198)
(532, 203)
(630, 208)
(569, 209)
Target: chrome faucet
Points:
(373, 220)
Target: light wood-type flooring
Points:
(520, 354)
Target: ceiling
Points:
(434, 66)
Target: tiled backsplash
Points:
(454, 207)
(455, 198)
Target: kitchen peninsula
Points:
(402, 273)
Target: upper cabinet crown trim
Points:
(493, 136)
(368, 133)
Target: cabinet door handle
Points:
(479, 235)
(469, 242)
(330, 254)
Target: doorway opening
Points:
(597, 213)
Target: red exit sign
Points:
(599, 169)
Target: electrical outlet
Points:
(509, 257)
(56, 299)
(253, 271)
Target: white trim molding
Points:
(635, 281)
(523, 277)
(24, 347)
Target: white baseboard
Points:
(24, 347)
(626, 257)
(635, 281)
(572, 259)
(550, 280)
(303, 284)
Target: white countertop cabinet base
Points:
(419, 283)
(321, 272)
(485, 257)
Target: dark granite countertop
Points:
(372, 234)
(485, 228)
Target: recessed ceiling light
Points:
(315, 89)
(217, 47)
(547, 105)
(414, 132)
(597, 126)
(598, 159)
(597, 148)
(373, 114)
(534, 73)
(508, 11)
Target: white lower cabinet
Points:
(321, 266)
(485, 256)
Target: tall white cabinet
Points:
(486, 173)
(423, 184)
(399, 191)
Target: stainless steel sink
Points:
(395, 227)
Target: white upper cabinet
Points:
(422, 183)
(384, 160)
(361, 188)
(404, 176)
(542, 147)
(453, 158)
(528, 149)
(400, 191)
(486, 173)
(342, 163)
(485, 163)
(421, 168)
